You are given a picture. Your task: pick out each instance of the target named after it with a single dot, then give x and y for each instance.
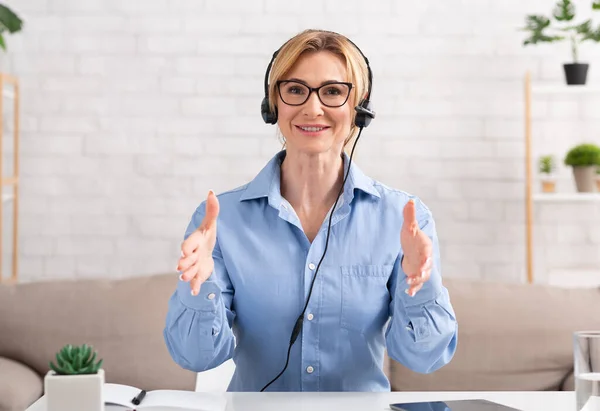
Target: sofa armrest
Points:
(20, 386)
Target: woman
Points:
(264, 261)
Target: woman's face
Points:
(313, 127)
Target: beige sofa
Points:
(122, 319)
(514, 337)
(511, 337)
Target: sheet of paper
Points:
(191, 400)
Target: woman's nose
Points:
(313, 106)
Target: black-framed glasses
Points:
(331, 94)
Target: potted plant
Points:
(546, 167)
(598, 179)
(76, 381)
(10, 22)
(584, 158)
(540, 30)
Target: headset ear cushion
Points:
(364, 114)
(268, 116)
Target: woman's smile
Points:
(312, 130)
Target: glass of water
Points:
(586, 356)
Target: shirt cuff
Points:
(207, 299)
(428, 293)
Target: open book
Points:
(188, 400)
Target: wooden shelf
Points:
(566, 197)
(564, 89)
(10, 90)
(532, 197)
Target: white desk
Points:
(526, 401)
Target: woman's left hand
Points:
(417, 248)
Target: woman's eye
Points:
(333, 91)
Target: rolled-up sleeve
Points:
(198, 330)
(423, 331)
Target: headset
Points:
(364, 115)
(364, 111)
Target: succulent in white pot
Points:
(76, 381)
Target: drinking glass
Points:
(586, 356)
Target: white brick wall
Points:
(132, 110)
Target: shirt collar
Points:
(268, 182)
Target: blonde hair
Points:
(312, 40)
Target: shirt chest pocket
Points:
(365, 297)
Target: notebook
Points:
(118, 394)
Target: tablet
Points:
(456, 405)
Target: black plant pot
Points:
(576, 73)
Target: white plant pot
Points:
(74, 392)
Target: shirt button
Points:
(309, 369)
(211, 296)
(311, 266)
(310, 317)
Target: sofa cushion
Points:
(510, 337)
(123, 319)
(568, 383)
(20, 386)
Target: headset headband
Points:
(364, 112)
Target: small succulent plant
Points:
(72, 360)
(547, 164)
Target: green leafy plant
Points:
(72, 360)
(586, 154)
(9, 22)
(547, 164)
(541, 29)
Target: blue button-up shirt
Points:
(264, 265)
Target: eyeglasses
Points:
(332, 94)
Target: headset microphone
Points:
(363, 117)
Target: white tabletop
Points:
(349, 401)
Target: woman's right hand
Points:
(196, 263)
